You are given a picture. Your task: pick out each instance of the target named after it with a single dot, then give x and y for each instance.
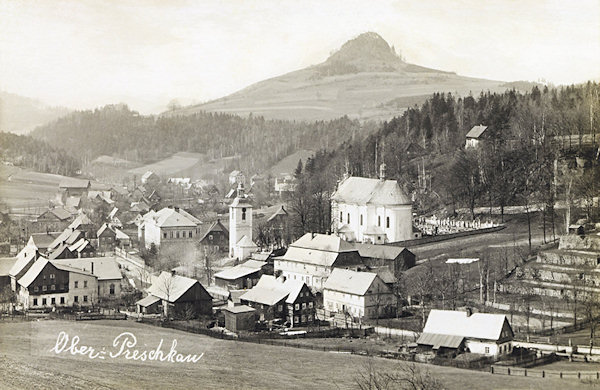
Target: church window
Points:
(387, 222)
(361, 220)
(243, 214)
(341, 217)
(379, 220)
(348, 218)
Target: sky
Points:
(84, 54)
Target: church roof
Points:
(362, 190)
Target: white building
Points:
(358, 294)
(168, 226)
(485, 333)
(313, 257)
(475, 136)
(372, 210)
(240, 226)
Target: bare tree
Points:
(165, 286)
(407, 376)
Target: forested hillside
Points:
(515, 166)
(25, 151)
(118, 131)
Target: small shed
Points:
(148, 305)
(240, 317)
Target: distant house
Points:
(178, 295)
(53, 220)
(396, 259)
(84, 223)
(107, 238)
(169, 226)
(449, 332)
(358, 294)
(47, 284)
(288, 300)
(376, 211)
(74, 187)
(25, 259)
(42, 241)
(6, 263)
(105, 269)
(312, 258)
(475, 136)
(150, 179)
(285, 184)
(244, 275)
(216, 237)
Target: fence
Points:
(443, 237)
(518, 371)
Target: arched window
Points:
(341, 217)
(348, 218)
(379, 220)
(112, 289)
(243, 214)
(387, 222)
(361, 220)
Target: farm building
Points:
(277, 298)
(216, 237)
(6, 263)
(376, 211)
(396, 259)
(179, 296)
(24, 260)
(448, 332)
(241, 276)
(53, 220)
(239, 317)
(105, 269)
(358, 294)
(74, 187)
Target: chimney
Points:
(469, 311)
(173, 272)
(177, 208)
(313, 235)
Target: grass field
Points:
(26, 362)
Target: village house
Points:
(475, 136)
(449, 332)
(312, 258)
(74, 187)
(176, 296)
(285, 184)
(361, 295)
(169, 226)
(150, 180)
(216, 238)
(47, 284)
(396, 259)
(24, 260)
(107, 238)
(42, 241)
(376, 211)
(277, 298)
(6, 263)
(55, 219)
(241, 276)
(105, 269)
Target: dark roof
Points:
(58, 212)
(440, 340)
(216, 226)
(476, 131)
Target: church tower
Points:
(240, 223)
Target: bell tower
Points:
(240, 219)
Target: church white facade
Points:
(241, 245)
(372, 210)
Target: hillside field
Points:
(27, 362)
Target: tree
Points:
(409, 376)
(165, 286)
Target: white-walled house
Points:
(168, 226)
(359, 294)
(371, 210)
(313, 257)
(453, 331)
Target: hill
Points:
(20, 115)
(365, 80)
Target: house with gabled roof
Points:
(377, 211)
(358, 294)
(279, 298)
(169, 226)
(396, 259)
(25, 259)
(312, 258)
(216, 237)
(53, 220)
(105, 269)
(51, 284)
(475, 136)
(450, 332)
(74, 187)
(42, 240)
(241, 276)
(176, 295)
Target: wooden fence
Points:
(519, 371)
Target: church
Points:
(241, 245)
(373, 211)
